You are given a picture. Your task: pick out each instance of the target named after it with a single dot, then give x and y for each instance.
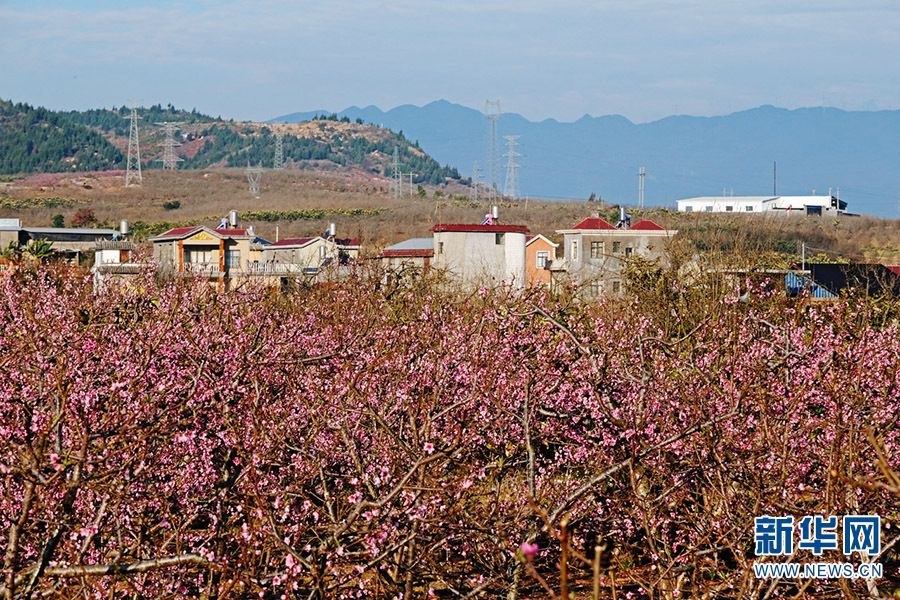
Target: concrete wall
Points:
(477, 258)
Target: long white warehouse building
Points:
(810, 205)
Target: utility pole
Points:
(170, 160)
(395, 174)
(492, 111)
(133, 167)
(641, 174)
(279, 151)
(410, 184)
(511, 189)
(476, 181)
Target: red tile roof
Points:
(470, 228)
(594, 223)
(179, 231)
(293, 241)
(647, 225)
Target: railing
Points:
(203, 269)
(279, 269)
(122, 268)
(114, 245)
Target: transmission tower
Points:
(492, 112)
(641, 174)
(279, 151)
(511, 189)
(133, 167)
(170, 160)
(254, 174)
(396, 182)
(476, 181)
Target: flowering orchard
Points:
(167, 441)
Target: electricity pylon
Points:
(133, 167)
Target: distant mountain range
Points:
(684, 156)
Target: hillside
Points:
(300, 203)
(815, 148)
(38, 140)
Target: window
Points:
(628, 251)
(617, 247)
(616, 286)
(596, 288)
(542, 258)
(498, 239)
(233, 260)
(708, 209)
(198, 256)
(598, 249)
(748, 208)
(729, 208)
(689, 209)
(574, 250)
(440, 247)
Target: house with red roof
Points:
(219, 255)
(596, 252)
(481, 254)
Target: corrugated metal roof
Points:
(413, 244)
(70, 230)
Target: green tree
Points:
(58, 221)
(422, 192)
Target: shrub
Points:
(83, 218)
(172, 204)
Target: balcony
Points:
(209, 269)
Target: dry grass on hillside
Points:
(210, 194)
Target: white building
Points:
(596, 252)
(808, 205)
(481, 254)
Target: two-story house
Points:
(595, 252)
(539, 256)
(220, 256)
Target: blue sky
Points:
(644, 59)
